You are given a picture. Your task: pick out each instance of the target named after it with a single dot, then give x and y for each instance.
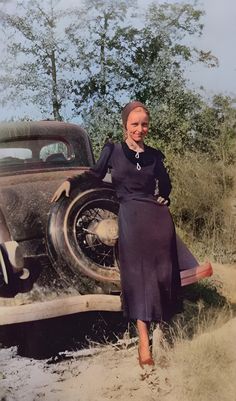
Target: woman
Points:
(150, 278)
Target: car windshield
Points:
(35, 152)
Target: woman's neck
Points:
(136, 146)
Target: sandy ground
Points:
(226, 276)
(110, 372)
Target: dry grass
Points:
(227, 275)
(200, 357)
(204, 368)
(203, 205)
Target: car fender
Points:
(4, 230)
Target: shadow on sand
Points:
(45, 339)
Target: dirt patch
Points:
(202, 368)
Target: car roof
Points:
(24, 129)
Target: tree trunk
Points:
(103, 56)
(56, 104)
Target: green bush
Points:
(200, 204)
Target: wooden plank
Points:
(83, 303)
(58, 307)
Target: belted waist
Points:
(136, 196)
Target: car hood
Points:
(25, 201)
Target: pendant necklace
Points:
(137, 164)
(137, 156)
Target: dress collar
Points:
(142, 158)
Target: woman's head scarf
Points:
(130, 107)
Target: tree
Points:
(162, 51)
(38, 57)
(101, 40)
(100, 56)
(161, 48)
(145, 61)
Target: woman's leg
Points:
(145, 356)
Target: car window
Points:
(57, 151)
(11, 154)
(35, 153)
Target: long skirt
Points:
(150, 276)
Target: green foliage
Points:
(37, 57)
(172, 119)
(98, 52)
(103, 124)
(101, 41)
(215, 128)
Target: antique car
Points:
(70, 243)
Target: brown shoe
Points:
(148, 361)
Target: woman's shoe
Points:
(148, 361)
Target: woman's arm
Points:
(96, 173)
(164, 183)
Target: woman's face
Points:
(137, 124)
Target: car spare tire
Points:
(82, 233)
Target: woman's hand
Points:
(162, 201)
(64, 187)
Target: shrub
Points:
(200, 205)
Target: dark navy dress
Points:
(150, 277)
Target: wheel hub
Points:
(106, 230)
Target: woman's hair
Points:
(127, 110)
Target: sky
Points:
(219, 35)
